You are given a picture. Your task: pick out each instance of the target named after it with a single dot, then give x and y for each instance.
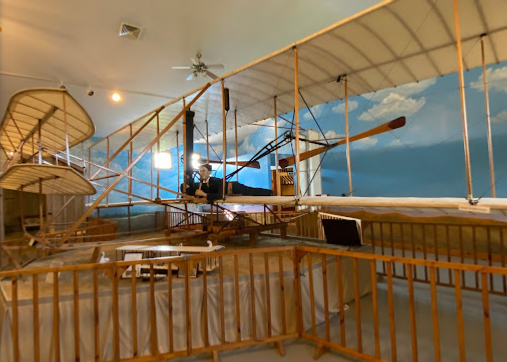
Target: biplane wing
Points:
(49, 115)
(438, 205)
(420, 205)
(388, 45)
(43, 121)
(48, 179)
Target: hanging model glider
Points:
(39, 124)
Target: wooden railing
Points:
(104, 230)
(179, 218)
(376, 329)
(299, 223)
(85, 319)
(256, 296)
(477, 244)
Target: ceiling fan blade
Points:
(215, 66)
(182, 67)
(254, 164)
(210, 75)
(194, 61)
(389, 126)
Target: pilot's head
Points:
(205, 171)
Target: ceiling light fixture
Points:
(116, 97)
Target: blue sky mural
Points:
(425, 158)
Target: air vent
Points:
(129, 31)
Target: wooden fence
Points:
(477, 244)
(376, 334)
(90, 313)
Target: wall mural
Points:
(425, 158)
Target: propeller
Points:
(389, 126)
(199, 68)
(254, 164)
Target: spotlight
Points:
(116, 97)
(196, 157)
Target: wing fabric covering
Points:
(54, 180)
(41, 111)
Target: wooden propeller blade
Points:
(389, 126)
(254, 164)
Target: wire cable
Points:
(311, 113)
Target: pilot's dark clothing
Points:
(213, 188)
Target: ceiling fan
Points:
(198, 68)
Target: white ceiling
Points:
(43, 43)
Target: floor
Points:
(295, 351)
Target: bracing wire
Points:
(216, 154)
(311, 113)
(315, 173)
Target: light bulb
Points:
(116, 97)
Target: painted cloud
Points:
(316, 111)
(394, 105)
(500, 117)
(340, 108)
(405, 90)
(497, 80)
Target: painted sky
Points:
(425, 158)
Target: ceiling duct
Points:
(129, 31)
